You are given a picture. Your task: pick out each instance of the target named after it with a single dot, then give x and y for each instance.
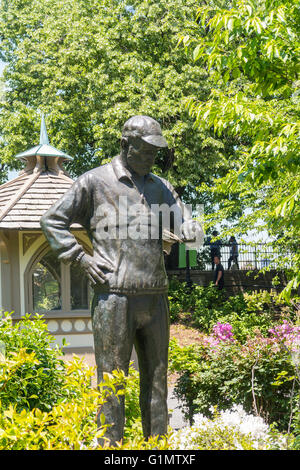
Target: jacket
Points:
(93, 201)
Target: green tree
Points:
(251, 52)
(89, 65)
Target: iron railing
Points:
(254, 256)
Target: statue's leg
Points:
(151, 343)
(113, 340)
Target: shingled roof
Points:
(26, 198)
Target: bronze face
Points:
(140, 156)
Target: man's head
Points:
(141, 140)
(216, 259)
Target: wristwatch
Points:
(78, 257)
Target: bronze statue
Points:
(115, 204)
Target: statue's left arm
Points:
(189, 230)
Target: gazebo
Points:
(31, 278)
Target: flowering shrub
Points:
(228, 430)
(71, 424)
(244, 353)
(226, 373)
(286, 333)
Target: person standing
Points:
(215, 248)
(234, 252)
(218, 273)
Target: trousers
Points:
(119, 322)
(233, 258)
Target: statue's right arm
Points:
(73, 207)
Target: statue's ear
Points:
(124, 143)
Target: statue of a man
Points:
(114, 203)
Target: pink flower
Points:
(223, 332)
(211, 341)
(285, 333)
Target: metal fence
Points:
(250, 257)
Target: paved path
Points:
(176, 418)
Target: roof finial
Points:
(43, 134)
(45, 155)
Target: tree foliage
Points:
(89, 66)
(251, 51)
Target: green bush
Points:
(202, 307)
(185, 302)
(71, 424)
(33, 373)
(46, 403)
(233, 373)
(133, 419)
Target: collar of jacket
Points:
(122, 172)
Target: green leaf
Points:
(102, 419)
(197, 53)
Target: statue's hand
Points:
(189, 230)
(192, 234)
(94, 269)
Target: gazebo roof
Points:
(26, 198)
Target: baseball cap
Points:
(146, 128)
